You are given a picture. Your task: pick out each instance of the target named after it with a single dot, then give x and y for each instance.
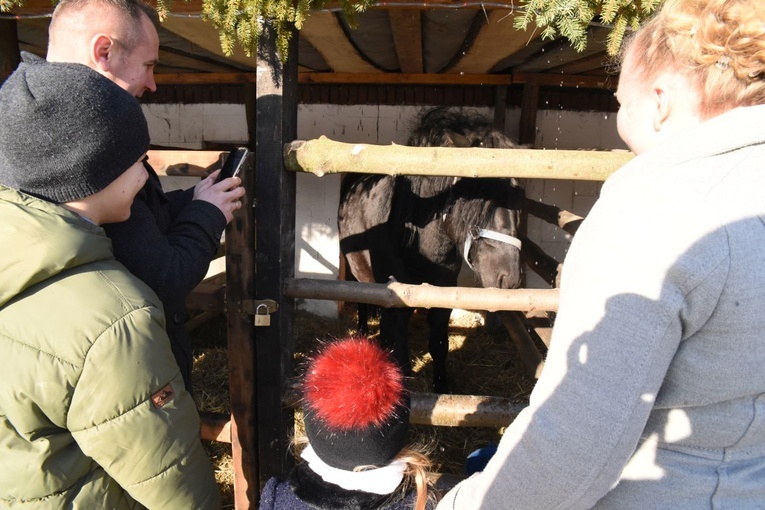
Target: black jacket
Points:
(168, 242)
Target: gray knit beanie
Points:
(66, 132)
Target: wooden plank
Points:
(549, 80)
(444, 410)
(564, 80)
(207, 297)
(324, 156)
(324, 32)
(560, 51)
(240, 289)
(215, 427)
(398, 295)
(595, 61)
(405, 79)
(500, 108)
(183, 62)
(497, 33)
(275, 102)
(407, 37)
(204, 78)
(195, 6)
(186, 162)
(204, 35)
(529, 108)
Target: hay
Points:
(482, 361)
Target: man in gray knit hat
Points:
(94, 411)
(170, 238)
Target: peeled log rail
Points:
(399, 295)
(462, 410)
(445, 410)
(425, 409)
(324, 156)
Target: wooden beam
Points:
(560, 51)
(204, 35)
(273, 113)
(407, 37)
(310, 78)
(215, 427)
(324, 156)
(401, 295)
(565, 80)
(190, 7)
(529, 106)
(186, 162)
(500, 107)
(324, 32)
(497, 33)
(405, 79)
(240, 288)
(444, 410)
(597, 60)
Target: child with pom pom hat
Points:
(356, 414)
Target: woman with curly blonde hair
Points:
(653, 392)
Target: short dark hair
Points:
(131, 9)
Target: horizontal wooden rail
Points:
(398, 295)
(324, 156)
(425, 409)
(451, 410)
(186, 162)
(215, 427)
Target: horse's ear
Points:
(454, 139)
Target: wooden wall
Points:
(550, 98)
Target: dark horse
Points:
(417, 229)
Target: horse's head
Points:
(493, 251)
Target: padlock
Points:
(262, 319)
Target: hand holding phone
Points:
(233, 164)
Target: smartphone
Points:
(233, 164)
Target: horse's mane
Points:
(471, 201)
(434, 128)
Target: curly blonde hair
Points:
(719, 45)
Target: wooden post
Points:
(276, 124)
(500, 107)
(529, 107)
(240, 288)
(9, 48)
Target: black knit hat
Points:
(355, 405)
(66, 132)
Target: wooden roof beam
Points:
(324, 32)
(545, 80)
(37, 7)
(406, 25)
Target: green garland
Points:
(571, 18)
(242, 20)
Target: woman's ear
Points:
(662, 97)
(102, 52)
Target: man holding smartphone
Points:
(170, 238)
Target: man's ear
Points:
(102, 52)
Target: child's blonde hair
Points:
(718, 44)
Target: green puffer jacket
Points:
(93, 411)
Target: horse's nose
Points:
(510, 280)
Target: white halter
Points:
(477, 233)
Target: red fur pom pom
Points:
(353, 383)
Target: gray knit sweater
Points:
(653, 394)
